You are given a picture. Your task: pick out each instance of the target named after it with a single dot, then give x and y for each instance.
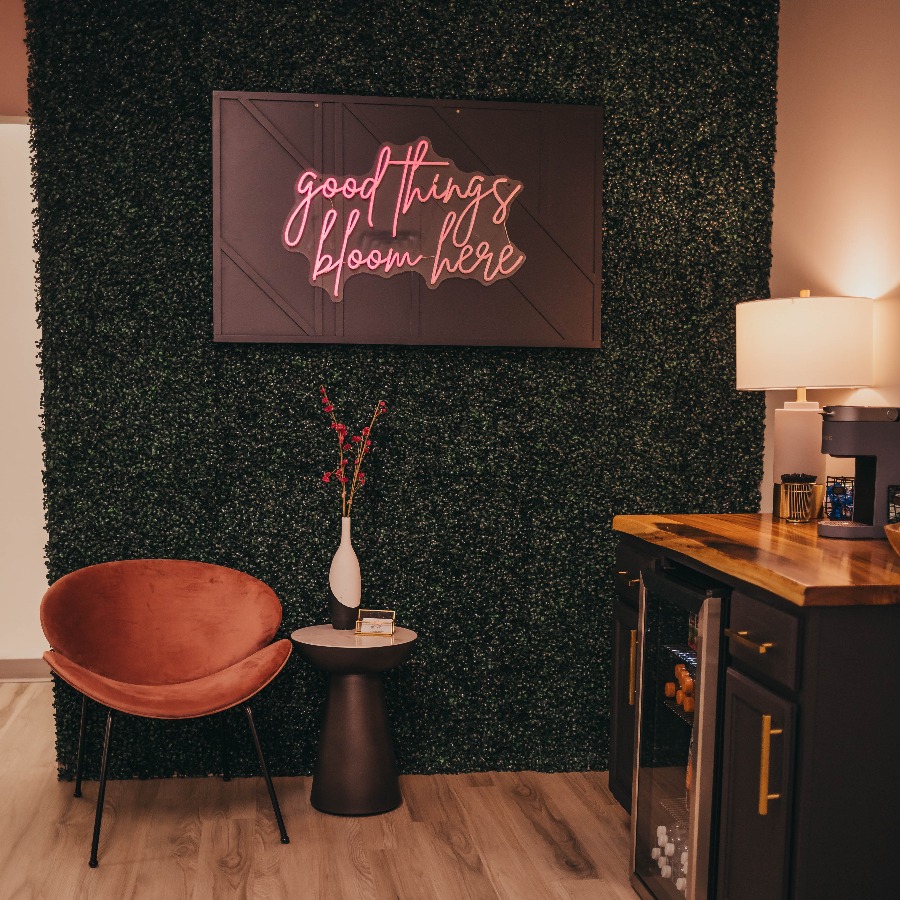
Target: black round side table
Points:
(356, 771)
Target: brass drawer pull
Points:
(631, 581)
(741, 638)
(631, 667)
(764, 753)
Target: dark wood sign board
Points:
(531, 262)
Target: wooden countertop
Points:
(791, 561)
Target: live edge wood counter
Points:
(789, 561)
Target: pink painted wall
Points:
(836, 219)
(22, 534)
(13, 60)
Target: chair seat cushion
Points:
(183, 700)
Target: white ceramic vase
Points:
(345, 582)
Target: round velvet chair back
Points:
(158, 621)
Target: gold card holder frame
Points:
(375, 622)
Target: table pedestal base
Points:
(356, 771)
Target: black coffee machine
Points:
(871, 435)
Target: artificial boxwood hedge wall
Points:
(487, 519)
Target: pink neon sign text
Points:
(414, 212)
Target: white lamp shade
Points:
(813, 342)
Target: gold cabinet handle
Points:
(741, 638)
(631, 581)
(764, 754)
(632, 659)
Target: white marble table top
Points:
(326, 636)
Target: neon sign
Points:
(414, 212)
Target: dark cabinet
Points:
(621, 749)
(806, 792)
(757, 786)
(812, 719)
(627, 579)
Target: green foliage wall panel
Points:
(487, 520)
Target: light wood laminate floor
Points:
(514, 836)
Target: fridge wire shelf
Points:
(677, 808)
(687, 717)
(685, 655)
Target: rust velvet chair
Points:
(163, 639)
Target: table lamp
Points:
(801, 343)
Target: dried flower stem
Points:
(361, 451)
(363, 440)
(340, 437)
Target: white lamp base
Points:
(798, 442)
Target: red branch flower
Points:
(356, 450)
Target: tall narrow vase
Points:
(345, 582)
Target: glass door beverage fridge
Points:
(676, 754)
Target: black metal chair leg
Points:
(79, 763)
(224, 745)
(265, 770)
(101, 792)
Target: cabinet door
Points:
(757, 765)
(621, 750)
